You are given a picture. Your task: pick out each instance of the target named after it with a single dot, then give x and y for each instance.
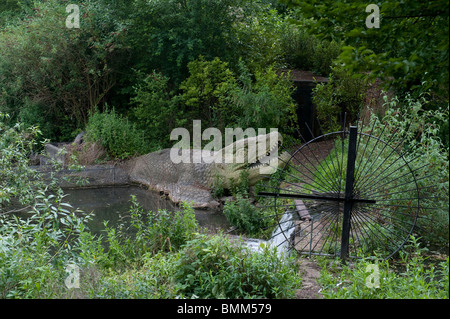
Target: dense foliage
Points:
(116, 134)
(419, 131)
(53, 76)
(413, 277)
(135, 70)
(409, 50)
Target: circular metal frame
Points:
(309, 199)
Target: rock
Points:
(79, 138)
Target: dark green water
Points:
(109, 203)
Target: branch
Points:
(16, 210)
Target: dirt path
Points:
(310, 274)
(309, 269)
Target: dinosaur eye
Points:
(268, 154)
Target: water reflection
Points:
(109, 203)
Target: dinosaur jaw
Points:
(258, 156)
(267, 166)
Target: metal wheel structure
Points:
(361, 198)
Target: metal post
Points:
(310, 241)
(348, 203)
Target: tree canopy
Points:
(409, 50)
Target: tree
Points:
(409, 51)
(168, 34)
(53, 76)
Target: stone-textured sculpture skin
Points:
(192, 181)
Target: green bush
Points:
(324, 56)
(154, 280)
(265, 102)
(205, 92)
(171, 230)
(304, 51)
(9, 11)
(116, 134)
(60, 73)
(217, 268)
(420, 131)
(17, 181)
(148, 233)
(260, 35)
(415, 278)
(35, 247)
(215, 94)
(167, 35)
(343, 94)
(245, 216)
(157, 109)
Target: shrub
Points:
(215, 94)
(205, 92)
(34, 246)
(343, 94)
(62, 73)
(414, 279)
(420, 130)
(260, 35)
(245, 216)
(217, 268)
(304, 51)
(157, 109)
(17, 181)
(116, 134)
(265, 102)
(153, 232)
(154, 280)
(167, 35)
(171, 230)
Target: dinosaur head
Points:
(257, 156)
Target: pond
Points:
(109, 203)
(113, 203)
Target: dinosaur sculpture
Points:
(192, 181)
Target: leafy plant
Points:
(260, 34)
(116, 134)
(157, 110)
(411, 280)
(304, 51)
(206, 90)
(420, 131)
(217, 268)
(57, 73)
(152, 232)
(215, 94)
(415, 60)
(37, 228)
(245, 216)
(167, 35)
(343, 94)
(266, 102)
